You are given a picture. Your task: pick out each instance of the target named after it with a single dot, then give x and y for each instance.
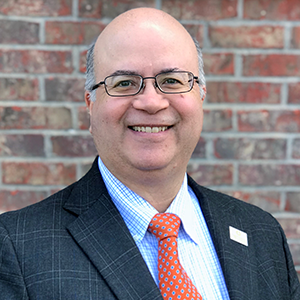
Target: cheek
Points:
(191, 109)
(96, 118)
(193, 118)
(106, 115)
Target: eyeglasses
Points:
(175, 82)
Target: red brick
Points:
(83, 118)
(270, 175)
(218, 64)
(269, 121)
(266, 200)
(72, 32)
(22, 145)
(295, 251)
(291, 226)
(272, 9)
(35, 118)
(53, 191)
(295, 42)
(200, 150)
(35, 61)
(35, 173)
(217, 120)
(194, 9)
(243, 92)
(247, 148)
(90, 8)
(85, 167)
(296, 149)
(247, 36)
(293, 202)
(36, 8)
(18, 32)
(271, 65)
(82, 61)
(211, 174)
(294, 93)
(108, 8)
(195, 31)
(64, 89)
(19, 89)
(12, 200)
(73, 146)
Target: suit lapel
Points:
(104, 237)
(102, 234)
(235, 258)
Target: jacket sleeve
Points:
(12, 284)
(293, 278)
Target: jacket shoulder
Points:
(44, 210)
(220, 202)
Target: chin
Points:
(150, 165)
(155, 164)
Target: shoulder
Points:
(37, 214)
(224, 206)
(77, 194)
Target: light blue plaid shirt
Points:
(195, 248)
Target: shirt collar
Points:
(184, 208)
(137, 212)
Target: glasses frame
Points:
(142, 85)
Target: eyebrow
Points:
(124, 72)
(130, 72)
(169, 70)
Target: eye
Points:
(171, 81)
(124, 84)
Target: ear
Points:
(203, 87)
(88, 102)
(89, 105)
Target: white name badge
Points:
(238, 236)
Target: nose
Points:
(150, 98)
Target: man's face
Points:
(146, 50)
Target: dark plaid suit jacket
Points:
(75, 245)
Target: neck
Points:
(159, 194)
(158, 187)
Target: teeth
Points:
(149, 129)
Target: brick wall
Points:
(250, 147)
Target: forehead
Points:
(145, 47)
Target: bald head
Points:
(148, 33)
(143, 20)
(140, 16)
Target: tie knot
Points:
(164, 225)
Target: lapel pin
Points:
(238, 236)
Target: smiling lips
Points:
(149, 129)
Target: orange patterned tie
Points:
(174, 282)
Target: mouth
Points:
(149, 129)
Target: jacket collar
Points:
(221, 211)
(102, 234)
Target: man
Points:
(96, 238)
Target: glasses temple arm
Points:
(97, 85)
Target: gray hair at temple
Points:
(90, 73)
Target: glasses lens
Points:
(123, 85)
(175, 82)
